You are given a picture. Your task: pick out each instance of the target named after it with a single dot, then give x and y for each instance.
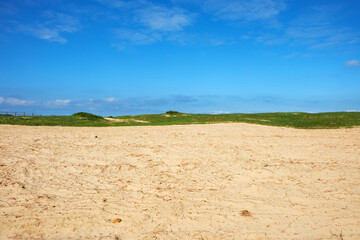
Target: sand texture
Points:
(218, 181)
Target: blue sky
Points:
(116, 57)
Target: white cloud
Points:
(16, 101)
(62, 102)
(219, 112)
(353, 63)
(163, 19)
(56, 103)
(111, 99)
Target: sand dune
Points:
(219, 181)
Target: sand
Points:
(218, 181)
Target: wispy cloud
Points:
(7, 8)
(318, 28)
(315, 27)
(110, 99)
(220, 112)
(42, 32)
(58, 103)
(271, 39)
(122, 4)
(201, 104)
(163, 19)
(15, 101)
(250, 10)
(144, 22)
(353, 63)
(148, 22)
(321, 36)
(125, 38)
(216, 42)
(140, 37)
(64, 102)
(52, 27)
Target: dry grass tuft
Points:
(245, 213)
(116, 220)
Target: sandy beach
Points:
(216, 181)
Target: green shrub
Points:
(88, 116)
(172, 112)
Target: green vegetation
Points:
(87, 116)
(74, 120)
(172, 112)
(295, 120)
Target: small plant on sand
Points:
(245, 213)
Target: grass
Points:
(294, 120)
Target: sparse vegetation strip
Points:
(291, 119)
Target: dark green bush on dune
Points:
(88, 116)
(172, 112)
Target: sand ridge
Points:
(216, 181)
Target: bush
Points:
(88, 116)
(172, 112)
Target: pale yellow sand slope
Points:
(179, 182)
